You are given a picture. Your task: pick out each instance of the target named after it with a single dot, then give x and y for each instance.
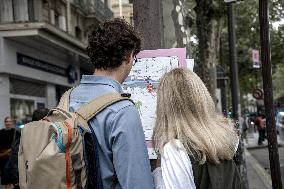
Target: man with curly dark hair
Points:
(122, 152)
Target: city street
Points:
(192, 69)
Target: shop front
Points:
(25, 97)
(34, 73)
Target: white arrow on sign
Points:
(229, 1)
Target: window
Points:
(78, 33)
(31, 10)
(131, 20)
(22, 110)
(56, 16)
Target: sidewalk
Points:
(253, 139)
(258, 177)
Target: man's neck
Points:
(115, 75)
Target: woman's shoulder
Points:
(174, 144)
(174, 149)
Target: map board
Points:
(143, 81)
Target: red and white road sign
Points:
(257, 94)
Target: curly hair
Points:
(112, 43)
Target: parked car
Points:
(279, 121)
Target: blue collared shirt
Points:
(118, 128)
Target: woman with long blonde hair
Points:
(196, 144)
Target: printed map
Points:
(142, 84)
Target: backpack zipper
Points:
(27, 167)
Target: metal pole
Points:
(268, 95)
(239, 159)
(233, 60)
(223, 97)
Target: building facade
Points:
(43, 51)
(126, 9)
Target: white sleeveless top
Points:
(176, 169)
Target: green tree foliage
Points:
(208, 18)
(277, 56)
(278, 80)
(247, 38)
(247, 35)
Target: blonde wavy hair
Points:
(186, 111)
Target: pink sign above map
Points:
(178, 52)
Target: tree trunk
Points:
(182, 23)
(208, 33)
(148, 20)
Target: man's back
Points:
(122, 149)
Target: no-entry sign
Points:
(257, 94)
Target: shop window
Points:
(22, 110)
(27, 88)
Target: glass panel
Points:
(21, 110)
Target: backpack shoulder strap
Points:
(89, 110)
(64, 100)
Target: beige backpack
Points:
(59, 151)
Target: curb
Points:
(261, 172)
(261, 146)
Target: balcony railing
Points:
(81, 4)
(95, 8)
(102, 11)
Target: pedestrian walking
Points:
(196, 145)
(8, 136)
(244, 121)
(11, 167)
(260, 124)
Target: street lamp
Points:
(239, 159)
(221, 83)
(233, 59)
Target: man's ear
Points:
(129, 58)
